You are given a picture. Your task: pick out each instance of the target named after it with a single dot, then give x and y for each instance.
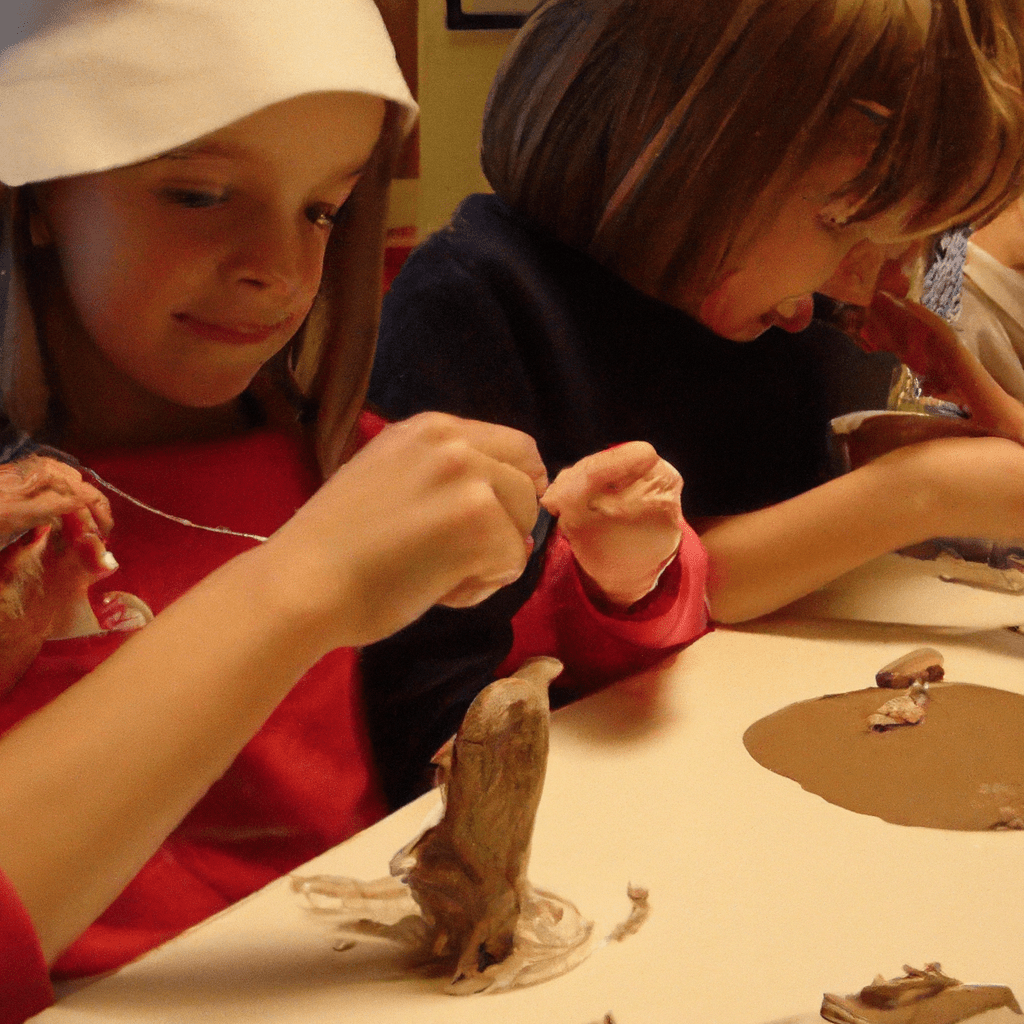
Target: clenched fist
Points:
(619, 510)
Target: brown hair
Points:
(643, 131)
(324, 371)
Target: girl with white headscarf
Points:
(193, 207)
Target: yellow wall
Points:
(455, 72)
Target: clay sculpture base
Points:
(960, 767)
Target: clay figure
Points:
(459, 898)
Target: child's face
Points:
(187, 272)
(802, 250)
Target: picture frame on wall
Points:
(486, 14)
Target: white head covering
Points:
(88, 85)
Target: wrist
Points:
(626, 594)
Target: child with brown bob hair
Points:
(675, 183)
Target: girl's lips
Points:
(234, 333)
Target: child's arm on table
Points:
(760, 561)
(433, 509)
(969, 487)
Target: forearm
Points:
(762, 560)
(92, 783)
(433, 509)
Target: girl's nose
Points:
(273, 255)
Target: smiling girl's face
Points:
(185, 273)
(805, 247)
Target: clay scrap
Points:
(925, 996)
(983, 564)
(922, 665)
(906, 709)
(458, 899)
(913, 672)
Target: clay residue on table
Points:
(925, 996)
(962, 767)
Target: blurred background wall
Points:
(456, 68)
(450, 72)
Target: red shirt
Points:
(305, 782)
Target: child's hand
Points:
(619, 510)
(434, 510)
(52, 526)
(930, 347)
(37, 490)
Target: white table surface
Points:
(764, 896)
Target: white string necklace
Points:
(167, 515)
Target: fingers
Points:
(80, 533)
(508, 461)
(881, 331)
(453, 506)
(484, 463)
(38, 490)
(480, 469)
(516, 493)
(490, 540)
(923, 340)
(505, 445)
(620, 512)
(607, 472)
(627, 481)
(616, 468)
(99, 508)
(893, 277)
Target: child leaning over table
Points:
(674, 181)
(194, 235)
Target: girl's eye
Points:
(325, 216)
(194, 198)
